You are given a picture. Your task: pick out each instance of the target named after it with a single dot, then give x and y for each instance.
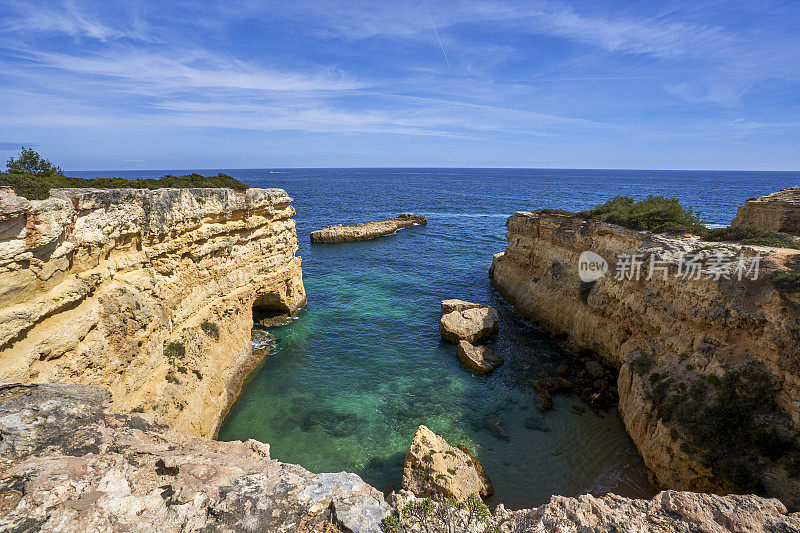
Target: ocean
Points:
(363, 365)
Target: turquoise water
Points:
(349, 381)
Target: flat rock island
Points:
(367, 230)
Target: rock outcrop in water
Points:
(434, 468)
(367, 230)
(481, 359)
(147, 293)
(68, 464)
(471, 324)
(778, 211)
(709, 368)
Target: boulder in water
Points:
(470, 325)
(433, 467)
(452, 305)
(481, 359)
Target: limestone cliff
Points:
(147, 293)
(777, 211)
(709, 369)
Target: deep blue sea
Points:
(349, 381)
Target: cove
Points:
(349, 381)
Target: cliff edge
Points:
(148, 293)
(709, 364)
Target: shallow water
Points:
(350, 380)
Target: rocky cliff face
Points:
(709, 369)
(778, 211)
(146, 293)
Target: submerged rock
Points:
(470, 325)
(367, 230)
(481, 359)
(536, 424)
(497, 428)
(263, 341)
(434, 468)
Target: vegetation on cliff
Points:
(38, 187)
(667, 215)
(32, 176)
(731, 422)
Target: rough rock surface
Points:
(449, 306)
(433, 467)
(481, 359)
(665, 335)
(367, 230)
(146, 293)
(667, 512)
(778, 211)
(470, 325)
(68, 464)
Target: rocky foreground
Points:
(367, 230)
(68, 464)
(148, 293)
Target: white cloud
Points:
(68, 19)
(198, 69)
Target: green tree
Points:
(30, 162)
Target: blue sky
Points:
(244, 84)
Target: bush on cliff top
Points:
(38, 187)
(668, 215)
(654, 213)
(753, 235)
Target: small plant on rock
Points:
(210, 329)
(441, 515)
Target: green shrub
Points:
(641, 364)
(441, 514)
(137, 409)
(654, 213)
(785, 280)
(172, 379)
(198, 374)
(37, 187)
(753, 235)
(210, 329)
(731, 428)
(175, 350)
(183, 369)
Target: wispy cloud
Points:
(191, 70)
(68, 19)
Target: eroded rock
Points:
(481, 359)
(68, 464)
(433, 467)
(367, 230)
(470, 325)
